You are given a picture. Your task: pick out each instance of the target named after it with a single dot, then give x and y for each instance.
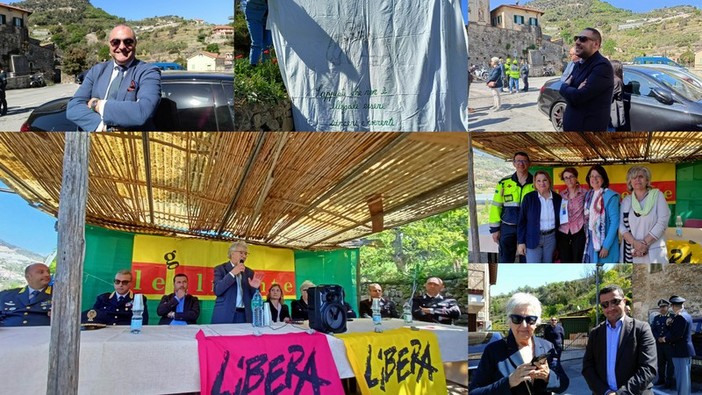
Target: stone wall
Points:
(484, 42)
(652, 282)
(265, 117)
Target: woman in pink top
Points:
(571, 235)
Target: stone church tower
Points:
(479, 12)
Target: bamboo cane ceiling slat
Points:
(301, 190)
(551, 148)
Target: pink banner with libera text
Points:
(293, 363)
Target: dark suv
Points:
(189, 101)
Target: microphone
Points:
(241, 261)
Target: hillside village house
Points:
(223, 32)
(514, 17)
(206, 61)
(21, 55)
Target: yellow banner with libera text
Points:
(398, 361)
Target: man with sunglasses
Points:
(122, 93)
(588, 90)
(115, 308)
(504, 211)
(620, 356)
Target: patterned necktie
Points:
(114, 87)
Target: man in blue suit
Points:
(588, 90)
(122, 93)
(30, 305)
(680, 339)
(234, 285)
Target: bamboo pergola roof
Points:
(572, 148)
(298, 190)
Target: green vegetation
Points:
(434, 246)
(565, 297)
(669, 31)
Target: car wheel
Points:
(557, 112)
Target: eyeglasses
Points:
(242, 252)
(613, 302)
(517, 319)
(568, 177)
(116, 42)
(124, 282)
(521, 161)
(554, 320)
(582, 39)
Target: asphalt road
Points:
(572, 362)
(21, 102)
(519, 111)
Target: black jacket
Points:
(191, 309)
(588, 109)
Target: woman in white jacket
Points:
(644, 219)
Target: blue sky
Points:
(212, 11)
(512, 276)
(24, 226)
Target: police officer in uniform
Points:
(30, 305)
(661, 328)
(432, 307)
(504, 211)
(682, 349)
(115, 308)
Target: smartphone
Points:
(540, 359)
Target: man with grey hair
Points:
(29, 305)
(387, 306)
(432, 307)
(234, 286)
(620, 356)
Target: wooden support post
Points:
(64, 349)
(474, 250)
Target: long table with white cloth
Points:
(163, 359)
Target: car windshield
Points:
(682, 86)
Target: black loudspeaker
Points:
(326, 309)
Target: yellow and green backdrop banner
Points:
(155, 260)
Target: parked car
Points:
(657, 60)
(189, 101)
(661, 99)
(477, 341)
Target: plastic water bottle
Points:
(257, 309)
(137, 314)
(407, 312)
(678, 226)
(376, 311)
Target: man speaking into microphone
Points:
(234, 285)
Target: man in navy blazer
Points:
(130, 104)
(626, 365)
(680, 339)
(588, 90)
(115, 308)
(179, 307)
(234, 286)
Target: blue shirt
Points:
(612, 346)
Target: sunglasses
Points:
(517, 319)
(582, 39)
(128, 42)
(613, 302)
(124, 282)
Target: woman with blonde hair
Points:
(644, 219)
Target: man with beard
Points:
(588, 90)
(29, 305)
(179, 308)
(122, 93)
(620, 356)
